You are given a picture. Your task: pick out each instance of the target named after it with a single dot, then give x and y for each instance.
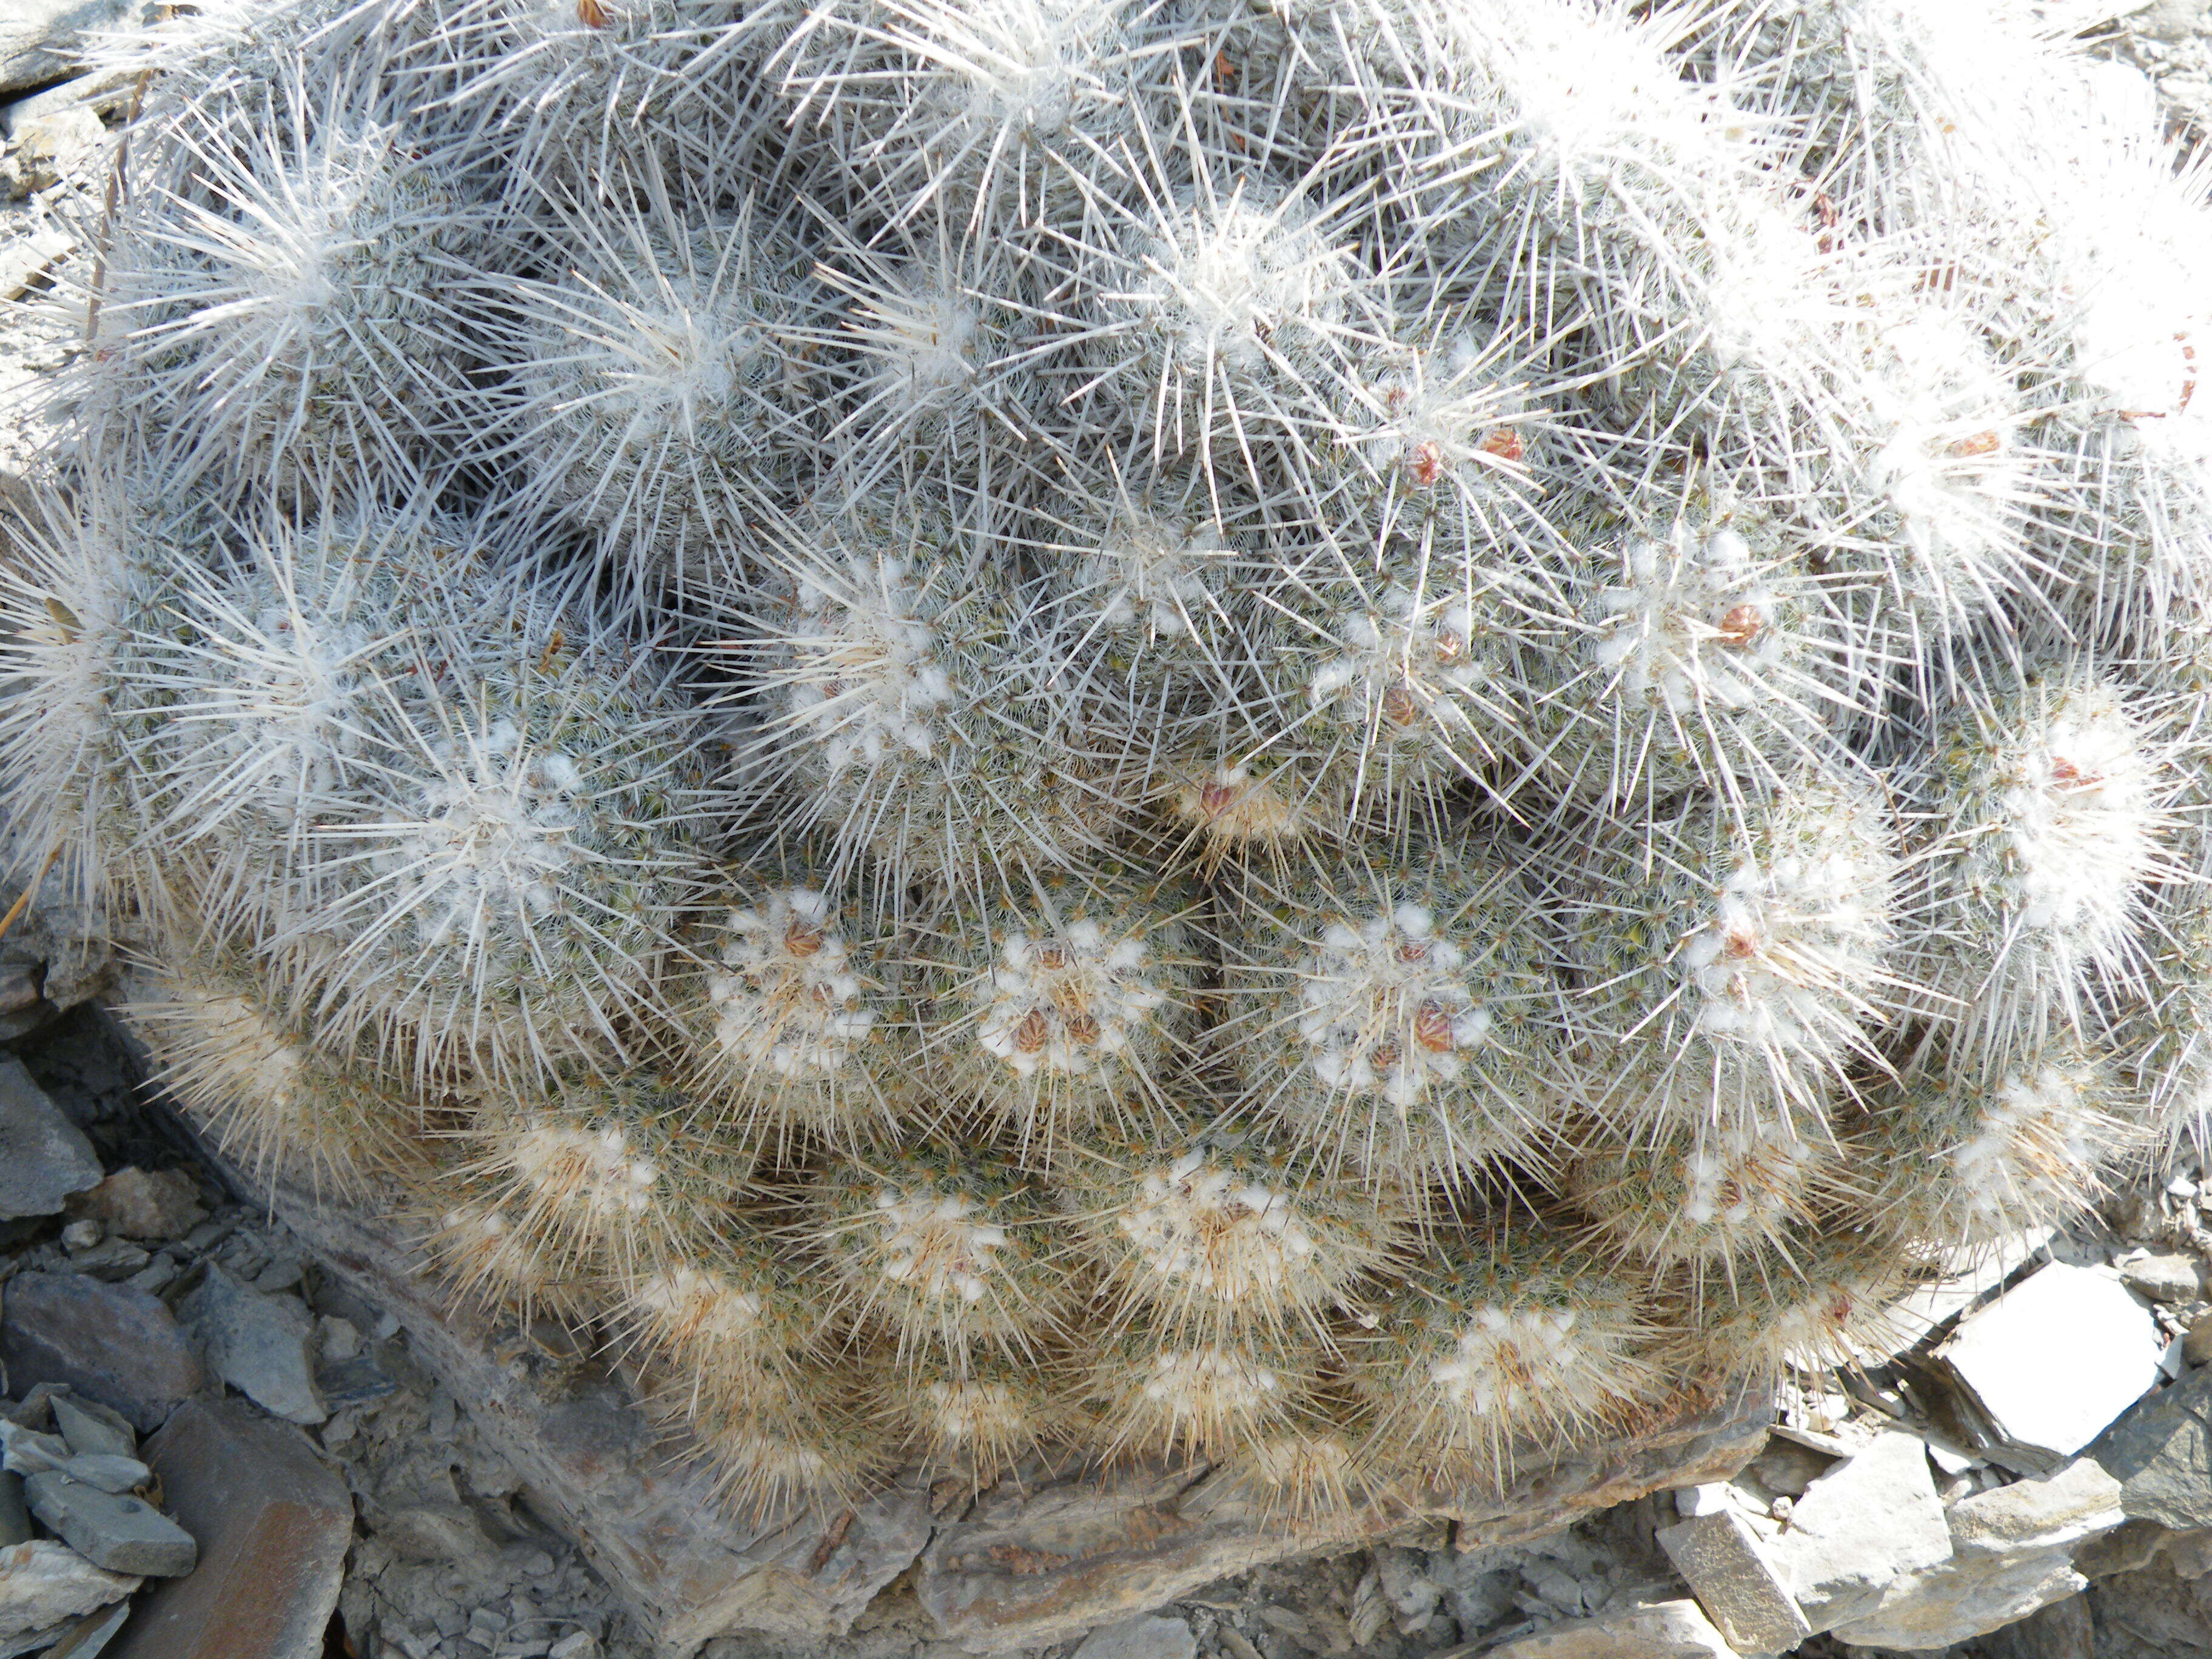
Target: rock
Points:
(1870, 1518)
(2055, 1359)
(1740, 1588)
(143, 1204)
(1142, 1637)
(44, 1583)
(44, 1158)
(123, 1535)
(2161, 1453)
(1666, 1630)
(23, 261)
(434, 1531)
(2189, 1553)
(68, 142)
(262, 1345)
(2058, 1511)
(2163, 1278)
(1967, 1596)
(108, 1473)
(26, 1451)
(91, 1431)
(577, 1645)
(2062, 1631)
(1711, 1499)
(274, 1524)
(39, 40)
(109, 1343)
(2150, 1611)
(89, 1637)
(2197, 1345)
(15, 1514)
(2130, 1545)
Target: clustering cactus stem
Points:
(1348, 738)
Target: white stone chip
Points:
(2055, 1358)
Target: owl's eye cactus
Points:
(796, 1029)
(1208, 1228)
(1067, 1003)
(1705, 1193)
(1396, 1017)
(944, 1250)
(1493, 1344)
(1748, 947)
(1219, 1398)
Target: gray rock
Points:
(143, 1204)
(108, 1473)
(1740, 1588)
(2161, 1453)
(1665, 1630)
(89, 1637)
(1855, 1529)
(2197, 1345)
(262, 1345)
(44, 1158)
(44, 1583)
(2163, 1278)
(1965, 1597)
(108, 1343)
(2128, 1547)
(123, 1535)
(1142, 1637)
(92, 1429)
(2062, 1631)
(15, 1514)
(39, 40)
(26, 1451)
(2058, 1511)
(273, 1524)
(2055, 1359)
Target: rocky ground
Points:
(216, 1449)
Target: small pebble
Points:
(577, 1645)
(2182, 1186)
(155, 1275)
(82, 1234)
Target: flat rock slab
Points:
(1146, 1636)
(2055, 1359)
(44, 1158)
(1967, 1596)
(1665, 1630)
(112, 1529)
(1855, 1529)
(43, 1583)
(112, 1344)
(41, 40)
(1041, 1565)
(262, 1345)
(273, 1525)
(2079, 1502)
(1740, 1589)
(2161, 1453)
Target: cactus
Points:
(1325, 737)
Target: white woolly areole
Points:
(491, 834)
(1743, 1177)
(594, 1170)
(1693, 625)
(2033, 1140)
(1147, 573)
(789, 1004)
(1384, 1008)
(1511, 1365)
(928, 1245)
(1398, 664)
(925, 342)
(973, 1412)
(1198, 1224)
(1790, 947)
(1016, 68)
(1209, 1383)
(698, 1303)
(1437, 421)
(479, 1242)
(2079, 821)
(865, 683)
(1222, 277)
(1066, 1004)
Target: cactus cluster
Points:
(1327, 736)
